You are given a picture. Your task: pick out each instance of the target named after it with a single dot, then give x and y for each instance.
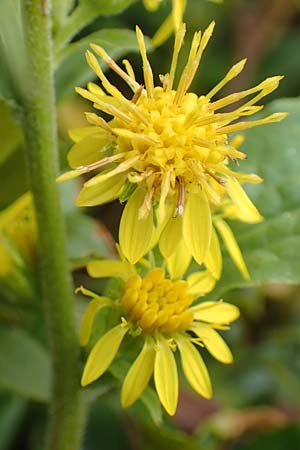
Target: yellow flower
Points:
(167, 151)
(158, 313)
(18, 234)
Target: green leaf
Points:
(24, 365)
(13, 178)
(84, 239)
(12, 411)
(10, 131)
(12, 50)
(271, 249)
(108, 8)
(74, 70)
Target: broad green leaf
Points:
(74, 70)
(13, 178)
(108, 8)
(24, 365)
(12, 165)
(84, 238)
(12, 411)
(10, 132)
(271, 248)
(12, 50)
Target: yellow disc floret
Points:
(155, 303)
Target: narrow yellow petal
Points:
(197, 226)
(166, 376)
(216, 312)
(214, 343)
(148, 75)
(201, 283)
(89, 149)
(88, 318)
(121, 168)
(171, 236)
(194, 368)
(213, 259)
(138, 376)
(248, 212)
(103, 354)
(177, 12)
(179, 261)
(232, 247)
(104, 191)
(164, 32)
(106, 268)
(135, 234)
(70, 175)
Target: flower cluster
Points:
(168, 154)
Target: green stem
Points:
(66, 423)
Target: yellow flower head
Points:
(158, 312)
(18, 233)
(168, 152)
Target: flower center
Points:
(155, 303)
(173, 137)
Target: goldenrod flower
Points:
(158, 313)
(18, 234)
(167, 151)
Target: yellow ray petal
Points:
(213, 259)
(106, 268)
(170, 236)
(164, 32)
(122, 167)
(166, 376)
(103, 354)
(216, 312)
(88, 318)
(248, 212)
(194, 368)
(105, 191)
(179, 261)
(135, 234)
(76, 134)
(232, 247)
(178, 12)
(201, 283)
(214, 343)
(89, 149)
(138, 375)
(197, 225)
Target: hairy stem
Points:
(65, 420)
